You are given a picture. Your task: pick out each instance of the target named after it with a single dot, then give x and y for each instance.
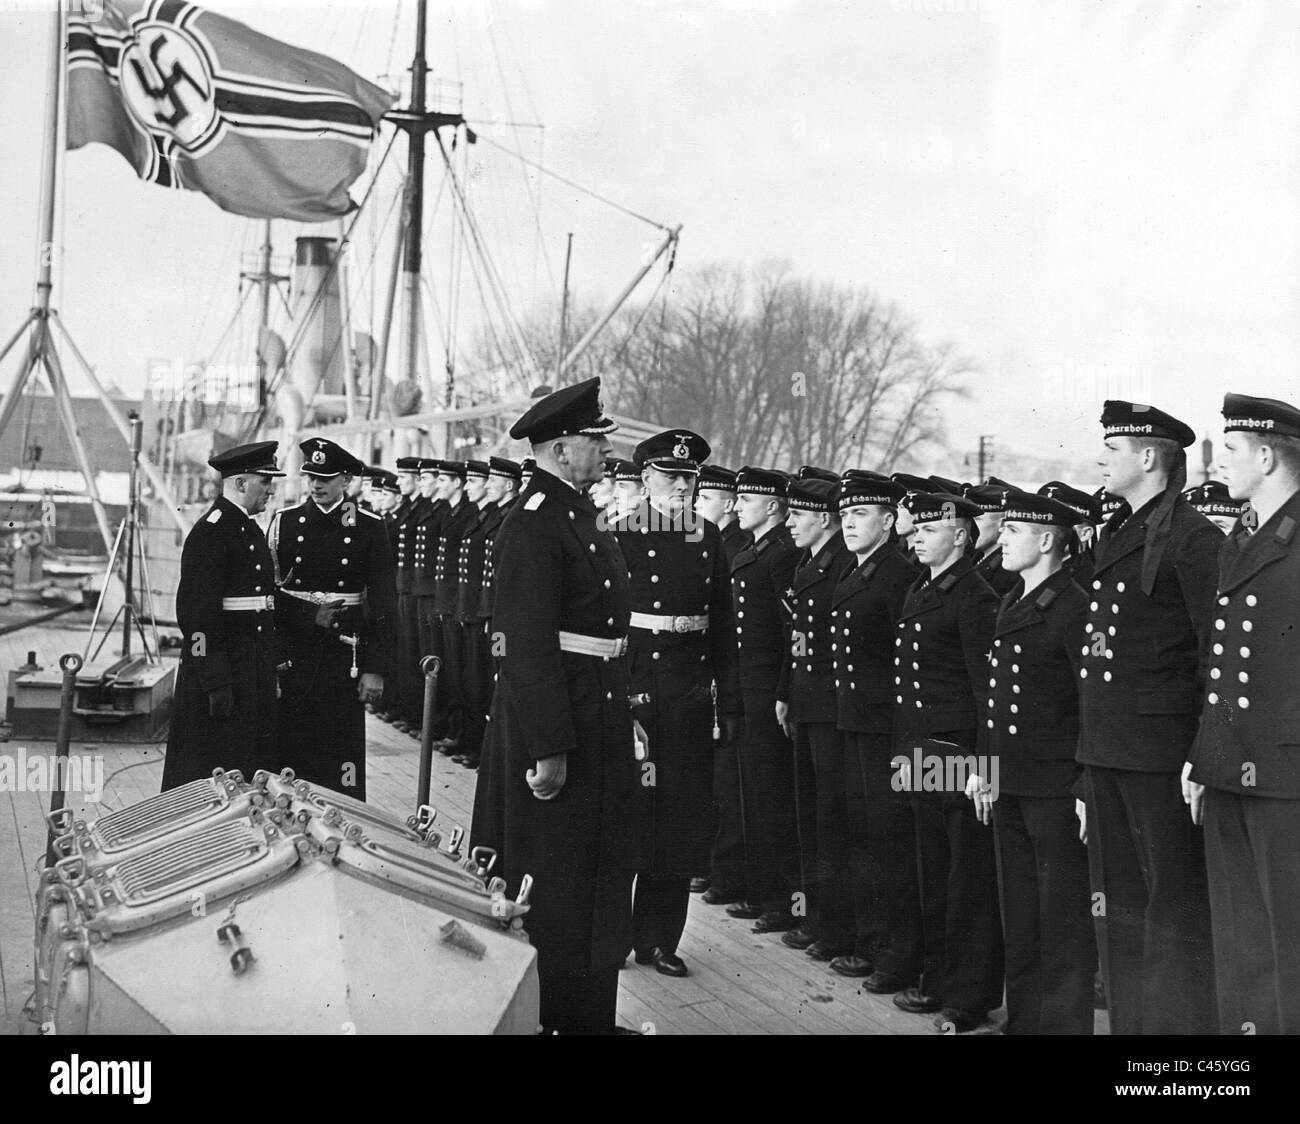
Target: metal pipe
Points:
(132, 514)
(578, 348)
(430, 665)
(39, 618)
(70, 664)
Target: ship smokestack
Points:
(317, 325)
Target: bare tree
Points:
(771, 369)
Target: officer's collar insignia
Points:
(1285, 530)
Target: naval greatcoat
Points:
(225, 556)
(555, 570)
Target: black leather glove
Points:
(732, 725)
(221, 702)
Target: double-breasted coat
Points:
(322, 556)
(678, 568)
(556, 570)
(225, 555)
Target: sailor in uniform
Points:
(1033, 732)
(224, 709)
(1244, 769)
(1078, 558)
(453, 477)
(807, 707)
(682, 644)
(760, 584)
(715, 500)
(335, 609)
(404, 517)
(941, 661)
(1213, 500)
(426, 526)
(882, 885)
(988, 552)
(560, 778)
(475, 672)
(1141, 686)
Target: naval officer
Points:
(225, 706)
(334, 612)
(560, 778)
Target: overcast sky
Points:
(1062, 189)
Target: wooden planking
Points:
(739, 982)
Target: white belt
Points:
(317, 598)
(697, 623)
(603, 646)
(263, 603)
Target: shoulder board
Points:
(534, 501)
(214, 516)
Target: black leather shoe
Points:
(885, 983)
(775, 922)
(745, 910)
(855, 966)
(952, 1021)
(714, 896)
(647, 957)
(799, 938)
(699, 885)
(669, 963)
(912, 1001)
(824, 951)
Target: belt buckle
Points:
(681, 624)
(620, 646)
(270, 602)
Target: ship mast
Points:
(417, 121)
(263, 278)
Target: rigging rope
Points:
(576, 186)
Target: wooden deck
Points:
(739, 983)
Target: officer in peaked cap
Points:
(1150, 616)
(1243, 776)
(1213, 500)
(1033, 730)
(335, 609)
(807, 707)
(681, 649)
(224, 711)
(942, 644)
(988, 554)
(560, 778)
(760, 584)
